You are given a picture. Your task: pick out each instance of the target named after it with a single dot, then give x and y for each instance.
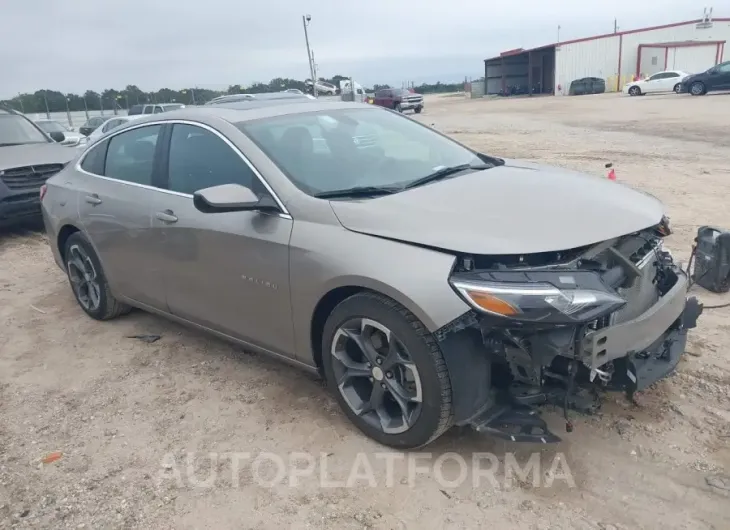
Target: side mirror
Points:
(57, 136)
(231, 198)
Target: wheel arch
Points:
(345, 288)
(64, 233)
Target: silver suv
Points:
(430, 284)
(28, 156)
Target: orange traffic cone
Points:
(611, 172)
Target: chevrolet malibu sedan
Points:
(431, 285)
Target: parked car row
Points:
(714, 79)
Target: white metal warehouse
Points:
(692, 46)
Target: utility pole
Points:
(22, 107)
(306, 19)
(68, 113)
(615, 25)
(45, 99)
(558, 34)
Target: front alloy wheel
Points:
(697, 89)
(386, 371)
(634, 91)
(376, 376)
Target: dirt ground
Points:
(124, 413)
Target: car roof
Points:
(253, 110)
(265, 96)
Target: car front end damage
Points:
(561, 328)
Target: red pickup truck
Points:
(399, 99)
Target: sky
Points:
(74, 45)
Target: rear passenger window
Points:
(158, 110)
(93, 161)
(200, 159)
(131, 155)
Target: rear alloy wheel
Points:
(634, 91)
(677, 88)
(88, 282)
(386, 371)
(697, 89)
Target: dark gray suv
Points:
(28, 156)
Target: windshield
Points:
(333, 150)
(17, 130)
(50, 126)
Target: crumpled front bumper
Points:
(652, 342)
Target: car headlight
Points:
(539, 302)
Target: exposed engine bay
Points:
(562, 327)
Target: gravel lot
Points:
(124, 413)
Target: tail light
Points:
(44, 189)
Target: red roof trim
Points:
(682, 44)
(606, 35)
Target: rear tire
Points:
(88, 282)
(677, 88)
(361, 337)
(698, 89)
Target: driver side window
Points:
(723, 68)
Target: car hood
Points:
(34, 154)
(517, 208)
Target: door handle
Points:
(93, 199)
(167, 216)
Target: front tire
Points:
(418, 110)
(634, 91)
(88, 281)
(386, 371)
(697, 89)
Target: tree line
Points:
(43, 101)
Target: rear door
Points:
(115, 192)
(670, 79)
(226, 271)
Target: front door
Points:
(721, 80)
(114, 207)
(226, 271)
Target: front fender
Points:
(324, 258)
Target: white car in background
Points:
(668, 81)
(71, 138)
(108, 125)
